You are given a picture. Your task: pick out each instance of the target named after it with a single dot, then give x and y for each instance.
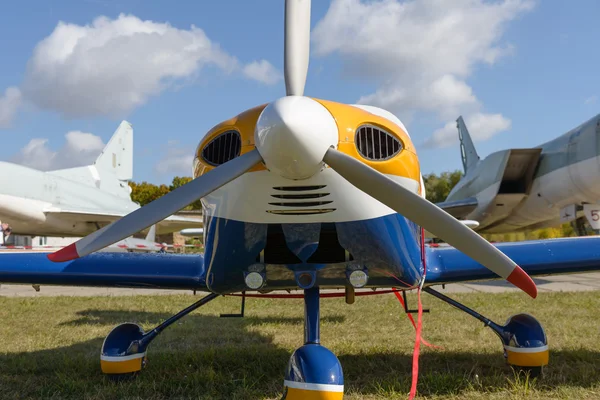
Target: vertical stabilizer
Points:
(467, 148)
(117, 156)
(151, 236)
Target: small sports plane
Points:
(310, 194)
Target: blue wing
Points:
(134, 270)
(540, 257)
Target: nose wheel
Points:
(313, 371)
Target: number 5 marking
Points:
(595, 215)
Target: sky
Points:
(521, 72)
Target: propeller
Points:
(296, 45)
(159, 209)
(429, 216)
(285, 139)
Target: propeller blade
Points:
(297, 44)
(430, 217)
(159, 209)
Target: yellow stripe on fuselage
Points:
(348, 120)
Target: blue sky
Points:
(521, 71)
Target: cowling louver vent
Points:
(376, 144)
(298, 202)
(223, 148)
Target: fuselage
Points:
(319, 225)
(566, 172)
(40, 203)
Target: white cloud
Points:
(589, 100)
(419, 53)
(112, 66)
(481, 127)
(79, 149)
(9, 104)
(262, 71)
(177, 160)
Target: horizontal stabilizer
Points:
(459, 208)
(468, 223)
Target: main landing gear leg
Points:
(314, 372)
(524, 340)
(124, 350)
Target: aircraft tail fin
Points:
(117, 155)
(113, 167)
(151, 236)
(467, 148)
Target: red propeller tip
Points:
(65, 254)
(520, 279)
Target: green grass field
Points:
(50, 347)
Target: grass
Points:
(50, 347)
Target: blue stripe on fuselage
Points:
(388, 246)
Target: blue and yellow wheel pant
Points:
(312, 391)
(122, 365)
(527, 356)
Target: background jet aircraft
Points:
(136, 245)
(76, 201)
(523, 189)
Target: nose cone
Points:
(293, 134)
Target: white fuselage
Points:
(573, 184)
(40, 203)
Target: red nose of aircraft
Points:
(293, 134)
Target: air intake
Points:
(223, 148)
(298, 202)
(375, 144)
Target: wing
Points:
(176, 223)
(133, 270)
(459, 208)
(540, 257)
(82, 215)
(170, 224)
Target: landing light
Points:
(254, 280)
(358, 278)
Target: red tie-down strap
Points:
(412, 320)
(419, 325)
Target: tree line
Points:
(144, 192)
(437, 188)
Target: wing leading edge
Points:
(540, 257)
(132, 270)
(459, 208)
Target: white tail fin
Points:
(151, 236)
(113, 167)
(117, 156)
